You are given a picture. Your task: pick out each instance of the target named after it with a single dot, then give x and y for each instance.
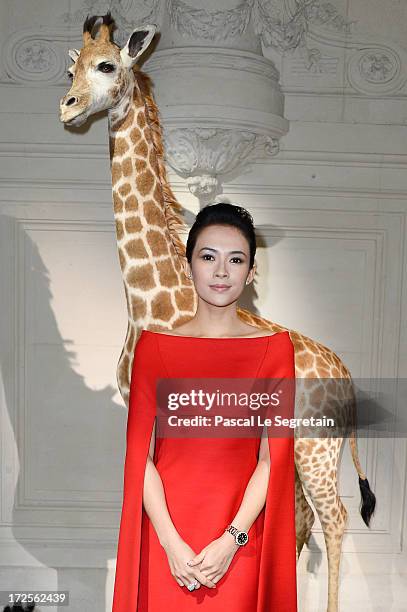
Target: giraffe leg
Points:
(304, 516)
(320, 482)
(333, 539)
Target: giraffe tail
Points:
(368, 502)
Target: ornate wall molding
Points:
(284, 24)
(376, 70)
(213, 124)
(210, 25)
(34, 57)
(202, 155)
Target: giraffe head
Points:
(102, 73)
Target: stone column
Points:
(219, 97)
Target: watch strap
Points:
(231, 529)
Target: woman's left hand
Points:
(216, 557)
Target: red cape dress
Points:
(204, 481)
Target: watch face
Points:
(242, 538)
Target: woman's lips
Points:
(220, 288)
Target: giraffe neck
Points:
(146, 217)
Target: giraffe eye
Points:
(106, 67)
(69, 74)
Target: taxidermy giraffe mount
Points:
(160, 296)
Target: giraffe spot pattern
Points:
(152, 159)
(135, 249)
(153, 214)
(182, 319)
(116, 172)
(307, 360)
(158, 195)
(167, 273)
(141, 120)
(132, 225)
(127, 166)
(119, 229)
(120, 146)
(141, 277)
(117, 203)
(130, 340)
(135, 135)
(183, 298)
(131, 203)
(145, 181)
(157, 243)
(140, 165)
(124, 189)
(123, 373)
(161, 306)
(138, 307)
(141, 149)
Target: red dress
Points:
(204, 480)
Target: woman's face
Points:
(221, 257)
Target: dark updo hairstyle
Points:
(223, 213)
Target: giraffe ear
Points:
(74, 54)
(138, 42)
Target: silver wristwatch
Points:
(241, 537)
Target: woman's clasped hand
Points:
(207, 567)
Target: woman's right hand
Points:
(178, 554)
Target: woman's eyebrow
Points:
(210, 249)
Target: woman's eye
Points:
(234, 259)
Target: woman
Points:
(208, 523)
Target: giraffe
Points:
(159, 295)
